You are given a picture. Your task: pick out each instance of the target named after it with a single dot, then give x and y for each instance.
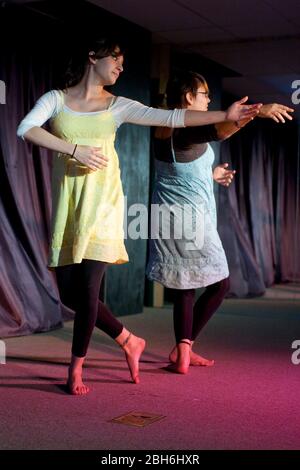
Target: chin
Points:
(110, 80)
(114, 79)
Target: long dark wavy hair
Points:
(75, 69)
(181, 83)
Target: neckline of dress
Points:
(112, 102)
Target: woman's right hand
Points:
(238, 111)
(91, 157)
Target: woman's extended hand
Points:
(239, 111)
(223, 176)
(275, 111)
(91, 157)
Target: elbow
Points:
(180, 118)
(20, 133)
(223, 135)
(24, 134)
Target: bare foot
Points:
(173, 355)
(195, 359)
(133, 351)
(182, 361)
(75, 385)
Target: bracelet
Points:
(74, 150)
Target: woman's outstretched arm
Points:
(236, 112)
(130, 111)
(277, 112)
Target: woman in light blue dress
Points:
(186, 252)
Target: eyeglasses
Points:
(205, 93)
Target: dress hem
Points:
(188, 284)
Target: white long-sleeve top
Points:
(124, 110)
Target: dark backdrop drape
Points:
(29, 299)
(30, 64)
(258, 215)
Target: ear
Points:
(92, 59)
(189, 97)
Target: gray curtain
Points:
(29, 298)
(258, 214)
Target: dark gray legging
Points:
(190, 317)
(79, 287)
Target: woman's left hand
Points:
(275, 111)
(223, 176)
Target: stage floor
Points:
(248, 400)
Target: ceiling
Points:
(258, 39)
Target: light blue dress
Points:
(185, 248)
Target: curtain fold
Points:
(257, 213)
(29, 300)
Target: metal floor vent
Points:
(137, 418)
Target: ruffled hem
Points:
(178, 277)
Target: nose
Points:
(120, 68)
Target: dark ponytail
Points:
(180, 84)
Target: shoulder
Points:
(122, 102)
(119, 100)
(196, 135)
(122, 107)
(51, 96)
(51, 100)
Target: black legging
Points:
(190, 318)
(79, 287)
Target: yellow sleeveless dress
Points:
(88, 206)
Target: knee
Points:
(183, 295)
(221, 288)
(225, 285)
(67, 300)
(66, 296)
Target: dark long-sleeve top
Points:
(189, 143)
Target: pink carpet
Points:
(248, 400)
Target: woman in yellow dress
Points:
(87, 214)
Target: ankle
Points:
(75, 370)
(76, 363)
(124, 339)
(185, 341)
(124, 343)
